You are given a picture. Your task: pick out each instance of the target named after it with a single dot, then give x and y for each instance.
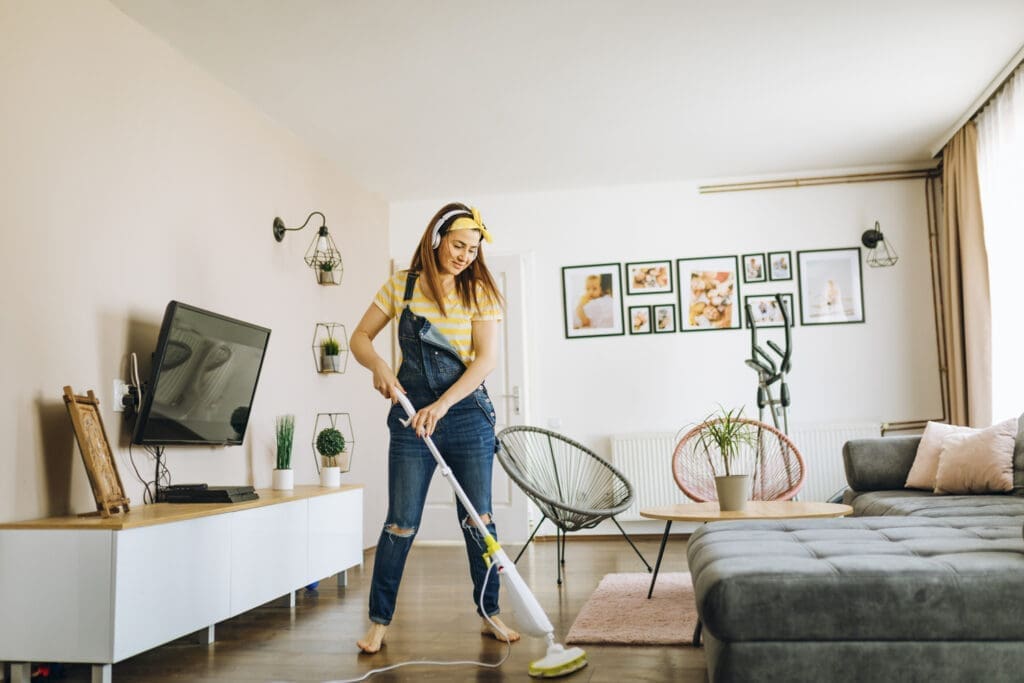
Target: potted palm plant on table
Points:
(728, 434)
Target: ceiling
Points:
(421, 99)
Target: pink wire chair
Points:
(777, 468)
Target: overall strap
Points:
(410, 284)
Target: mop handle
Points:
(459, 493)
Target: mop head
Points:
(558, 662)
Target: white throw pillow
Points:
(978, 463)
(926, 462)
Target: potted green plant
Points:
(330, 443)
(727, 434)
(326, 273)
(330, 351)
(284, 478)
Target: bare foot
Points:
(374, 638)
(502, 632)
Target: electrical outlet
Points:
(120, 391)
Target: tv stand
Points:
(193, 565)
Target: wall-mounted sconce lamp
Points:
(880, 252)
(322, 256)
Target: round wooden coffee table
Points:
(756, 509)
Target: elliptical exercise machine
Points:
(769, 371)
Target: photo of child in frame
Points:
(592, 300)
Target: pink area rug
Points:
(619, 612)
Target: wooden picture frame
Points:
(639, 319)
(709, 293)
(831, 286)
(92, 439)
(780, 265)
(754, 268)
(649, 277)
(595, 291)
(664, 318)
(766, 310)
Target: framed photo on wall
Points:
(709, 293)
(831, 288)
(765, 312)
(664, 318)
(592, 300)
(649, 277)
(753, 268)
(780, 265)
(639, 319)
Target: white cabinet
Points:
(92, 590)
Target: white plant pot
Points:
(326, 277)
(284, 480)
(733, 492)
(330, 363)
(330, 477)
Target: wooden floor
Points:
(435, 620)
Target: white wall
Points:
(130, 178)
(884, 370)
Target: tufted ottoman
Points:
(862, 599)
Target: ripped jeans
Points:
(465, 438)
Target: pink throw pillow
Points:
(926, 462)
(978, 463)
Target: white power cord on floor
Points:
(466, 662)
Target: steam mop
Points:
(530, 616)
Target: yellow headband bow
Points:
(474, 223)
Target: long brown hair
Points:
(424, 261)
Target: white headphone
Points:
(443, 222)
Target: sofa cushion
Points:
(926, 461)
(1005, 509)
(980, 462)
(859, 579)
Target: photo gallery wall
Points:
(713, 293)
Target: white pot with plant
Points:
(326, 273)
(728, 434)
(330, 443)
(284, 477)
(330, 354)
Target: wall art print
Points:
(753, 268)
(592, 300)
(664, 318)
(709, 293)
(649, 277)
(639, 319)
(831, 287)
(780, 265)
(765, 311)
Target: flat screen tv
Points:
(205, 371)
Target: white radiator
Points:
(646, 461)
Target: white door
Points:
(507, 390)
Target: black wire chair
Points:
(571, 485)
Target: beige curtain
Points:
(962, 268)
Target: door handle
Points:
(515, 399)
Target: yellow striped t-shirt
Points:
(457, 326)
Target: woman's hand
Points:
(385, 382)
(425, 420)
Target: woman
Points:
(448, 309)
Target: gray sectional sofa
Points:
(913, 587)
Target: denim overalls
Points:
(465, 438)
